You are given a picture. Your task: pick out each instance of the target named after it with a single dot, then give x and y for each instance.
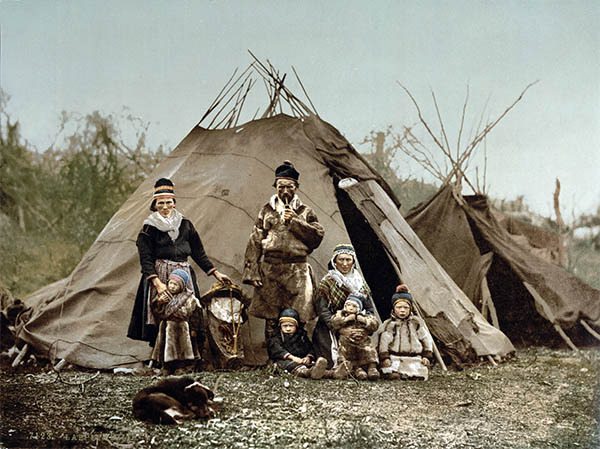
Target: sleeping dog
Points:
(173, 400)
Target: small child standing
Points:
(291, 349)
(176, 344)
(405, 345)
(354, 328)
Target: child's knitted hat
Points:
(181, 277)
(356, 298)
(402, 294)
(289, 316)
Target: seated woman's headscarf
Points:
(353, 280)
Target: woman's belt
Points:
(278, 259)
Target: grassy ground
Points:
(542, 399)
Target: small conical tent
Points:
(532, 298)
(222, 178)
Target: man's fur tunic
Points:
(276, 255)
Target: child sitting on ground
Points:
(354, 328)
(292, 351)
(405, 345)
(176, 346)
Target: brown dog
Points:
(173, 400)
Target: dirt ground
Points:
(541, 399)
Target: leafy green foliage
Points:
(54, 204)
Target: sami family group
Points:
(348, 340)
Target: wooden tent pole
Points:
(588, 328)
(60, 365)
(549, 315)
(565, 337)
(489, 303)
(484, 308)
(19, 358)
(438, 356)
(304, 90)
(436, 351)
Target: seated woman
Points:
(342, 279)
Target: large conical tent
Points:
(222, 178)
(532, 298)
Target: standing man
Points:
(284, 234)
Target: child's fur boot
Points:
(319, 368)
(373, 372)
(360, 374)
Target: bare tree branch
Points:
(439, 116)
(421, 119)
(462, 123)
(491, 125)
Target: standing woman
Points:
(164, 244)
(342, 279)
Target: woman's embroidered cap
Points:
(344, 248)
(164, 187)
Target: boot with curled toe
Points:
(301, 371)
(340, 372)
(318, 369)
(373, 372)
(360, 374)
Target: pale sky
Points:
(167, 60)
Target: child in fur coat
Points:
(405, 345)
(354, 328)
(292, 351)
(176, 346)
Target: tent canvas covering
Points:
(530, 294)
(222, 177)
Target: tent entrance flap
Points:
(515, 306)
(372, 256)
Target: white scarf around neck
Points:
(169, 224)
(353, 280)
